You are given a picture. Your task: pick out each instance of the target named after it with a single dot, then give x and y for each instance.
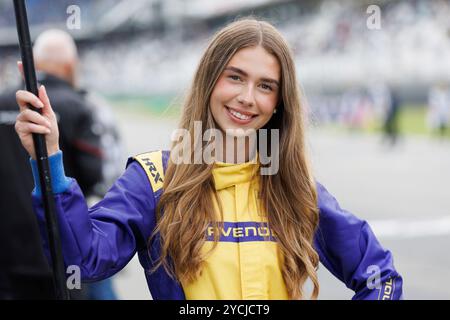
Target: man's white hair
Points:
(55, 46)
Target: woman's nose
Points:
(247, 96)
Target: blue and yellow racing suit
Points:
(246, 263)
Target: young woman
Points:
(219, 229)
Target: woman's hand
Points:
(29, 121)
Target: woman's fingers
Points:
(45, 100)
(32, 116)
(24, 97)
(29, 128)
(29, 121)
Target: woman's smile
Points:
(239, 116)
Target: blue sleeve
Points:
(60, 182)
(103, 239)
(348, 248)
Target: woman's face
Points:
(247, 91)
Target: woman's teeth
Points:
(239, 115)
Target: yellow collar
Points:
(230, 174)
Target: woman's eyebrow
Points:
(240, 71)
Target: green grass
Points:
(162, 105)
(411, 121)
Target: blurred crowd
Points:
(332, 45)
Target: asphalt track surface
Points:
(402, 191)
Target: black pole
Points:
(40, 147)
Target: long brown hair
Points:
(289, 197)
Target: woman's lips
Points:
(236, 119)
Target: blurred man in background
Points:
(391, 120)
(439, 108)
(26, 274)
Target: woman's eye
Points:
(235, 77)
(266, 87)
